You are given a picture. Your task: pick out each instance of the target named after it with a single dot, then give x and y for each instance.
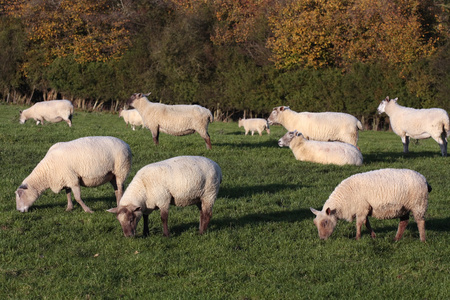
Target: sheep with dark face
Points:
(172, 119)
(408, 122)
(179, 181)
(382, 194)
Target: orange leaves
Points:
(90, 30)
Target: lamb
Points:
(321, 152)
(132, 117)
(255, 124)
(180, 181)
(408, 122)
(51, 111)
(172, 119)
(383, 194)
(324, 126)
(88, 161)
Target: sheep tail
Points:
(359, 124)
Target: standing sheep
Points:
(132, 117)
(382, 194)
(321, 152)
(325, 126)
(88, 161)
(51, 111)
(408, 122)
(172, 119)
(253, 125)
(180, 181)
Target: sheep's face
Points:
(128, 218)
(285, 141)
(25, 197)
(274, 116)
(325, 222)
(382, 107)
(22, 118)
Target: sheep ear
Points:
(330, 212)
(148, 94)
(281, 108)
(112, 210)
(298, 133)
(23, 186)
(387, 98)
(314, 211)
(395, 99)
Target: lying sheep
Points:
(51, 111)
(321, 152)
(89, 161)
(132, 117)
(325, 126)
(172, 119)
(253, 125)
(382, 194)
(180, 181)
(408, 122)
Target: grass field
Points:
(261, 242)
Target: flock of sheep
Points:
(327, 138)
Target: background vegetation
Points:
(261, 242)
(234, 57)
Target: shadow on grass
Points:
(389, 157)
(255, 144)
(239, 191)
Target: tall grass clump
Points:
(261, 242)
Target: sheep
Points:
(253, 125)
(324, 126)
(51, 111)
(132, 117)
(172, 119)
(321, 152)
(408, 122)
(88, 161)
(180, 181)
(382, 194)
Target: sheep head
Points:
(136, 96)
(273, 118)
(325, 222)
(128, 217)
(22, 118)
(382, 107)
(25, 197)
(285, 141)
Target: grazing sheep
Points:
(408, 122)
(253, 125)
(51, 111)
(321, 152)
(88, 161)
(132, 117)
(172, 119)
(325, 126)
(180, 181)
(382, 194)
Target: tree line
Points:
(236, 57)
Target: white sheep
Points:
(132, 117)
(408, 122)
(255, 124)
(51, 111)
(324, 126)
(180, 181)
(88, 161)
(382, 194)
(172, 119)
(321, 152)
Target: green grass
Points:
(261, 242)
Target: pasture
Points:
(261, 242)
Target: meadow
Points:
(261, 242)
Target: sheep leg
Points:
(359, 223)
(77, 195)
(421, 227)
(146, 231)
(405, 141)
(155, 135)
(69, 200)
(68, 122)
(118, 189)
(208, 141)
(372, 233)
(402, 226)
(164, 219)
(442, 141)
(205, 217)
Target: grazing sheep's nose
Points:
(22, 209)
